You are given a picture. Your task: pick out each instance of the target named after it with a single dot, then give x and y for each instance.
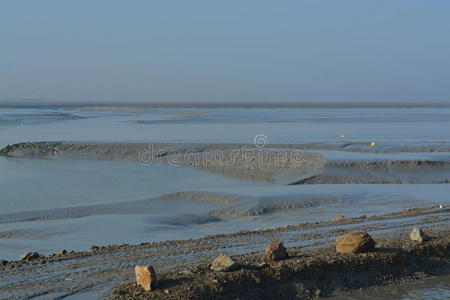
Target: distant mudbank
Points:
(381, 172)
(283, 164)
(279, 163)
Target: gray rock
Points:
(418, 235)
(224, 263)
(30, 256)
(339, 218)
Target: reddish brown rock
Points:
(355, 242)
(145, 277)
(275, 251)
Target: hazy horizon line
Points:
(230, 104)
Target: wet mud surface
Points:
(101, 269)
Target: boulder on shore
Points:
(224, 263)
(355, 242)
(418, 235)
(145, 277)
(275, 251)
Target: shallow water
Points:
(32, 184)
(410, 125)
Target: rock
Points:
(30, 256)
(339, 218)
(3, 262)
(224, 263)
(95, 248)
(355, 242)
(61, 252)
(418, 235)
(262, 265)
(275, 251)
(186, 272)
(318, 293)
(145, 277)
(438, 206)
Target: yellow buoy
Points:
(373, 144)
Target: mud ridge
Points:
(306, 275)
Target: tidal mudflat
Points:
(118, 186)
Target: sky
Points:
(224, 51)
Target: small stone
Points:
(123, 292)
(61, 252)
(95, 248)
(186, 272)
(3, 262)
(262, 265)
(355, 242)
(224, 263)
(30, 256)
(318, 293)
(418, 235)
(145, 277)
(166, 291)
(339, 218)
(275, 251)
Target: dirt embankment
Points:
(305, 275)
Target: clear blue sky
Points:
(353, 50)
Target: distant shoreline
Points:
(205, 105)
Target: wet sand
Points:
(96, 272)
(102, 268)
